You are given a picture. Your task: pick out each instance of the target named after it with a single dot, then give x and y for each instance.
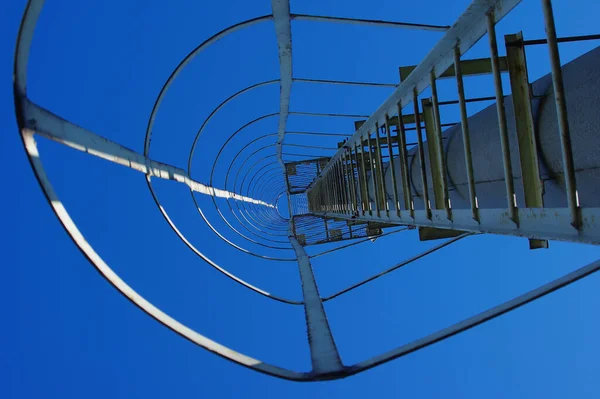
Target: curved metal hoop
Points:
(24, 109)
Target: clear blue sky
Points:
(65, 333)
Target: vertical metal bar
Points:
(353, 164)
(364, 195)
(351, 180)
(331, 191)
(318, 197)
(373, 175)
(466, 135)
(318, 190)
(349, 166)
(508, 174)
(323, 351)
(336, 182)
(404, 164)
(325, 188)
(434, 166)
(338, 188)
(439, 143)
(521, 99)
(345, 180)
(380, 174)
(421, 154)
(561, 114)
(344, 183)
(391, 163)
(324, 192)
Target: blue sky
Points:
(67, 334)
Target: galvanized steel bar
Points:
(350, 178)
(341, 186)
(438, 143)
(421, 151)
(404, 171)
(347, 188)
(374, 178)
(391, 164)
(62, 131)
(380, 171)
(323, 351)
(344, 186)
(468, 29)
(364, 190)
(283, 32)
(561, 114)
(355, 180)
(466, 136)
(506, 161)
(536, 223)
(435, 167)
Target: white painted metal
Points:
(324, 355)
(539, 223)
(468, 29)
(323, 352)
(62, 131)
(326, 361)
(283, 32)
(129, 292)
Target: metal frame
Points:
(33, 119)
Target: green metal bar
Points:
(438, 142)
(521, 96)
(432, 148)
(478, 66)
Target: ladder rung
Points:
(421, 151)
(392, 165)
(465, 134)
(504, 143)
